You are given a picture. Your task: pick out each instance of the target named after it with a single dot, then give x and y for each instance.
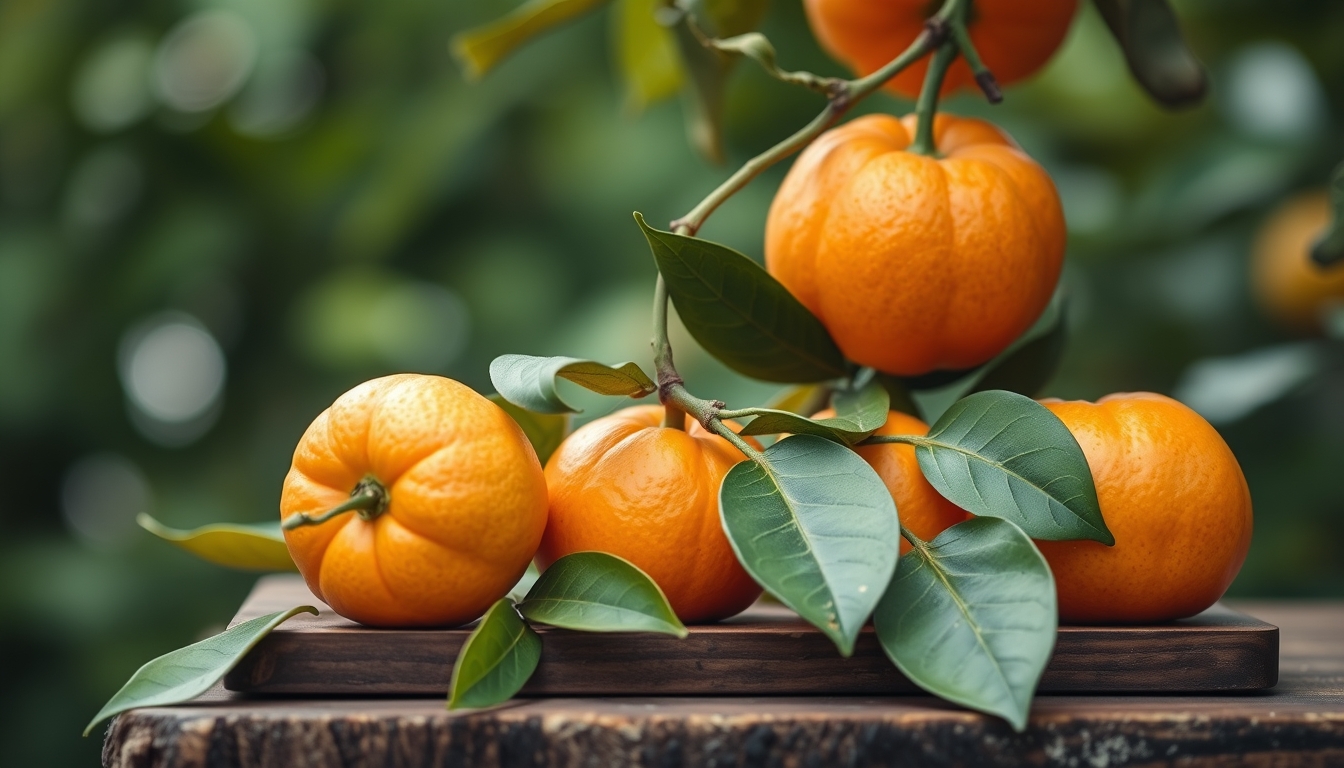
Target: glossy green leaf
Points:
(247, 547)
(544, 430)
(646, 52)
(858, 414)
(496, 660)
(599, 592)
(529, 382)
(1000, 454)
(1328, 251)
(479, 50)
(970, 617)
(188, 672)
(814, 525)
(740, 314)
(1158, 57)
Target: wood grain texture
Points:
(767, 650)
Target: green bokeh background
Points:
(397, 218)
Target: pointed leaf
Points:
(247, 547)
(647, 54)
(479, 50)
(598, 592)
(740, 314)
(1158, 57)
(1329, 250)
(544, 430)
(1004, 455)
(814, 525)
(529, 382)
(858, 414)
(496, 660)
(188, 672)
(971, 617)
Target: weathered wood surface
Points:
(766, 651)
(1299, 723)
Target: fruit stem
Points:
(368, 500)
(664, 369)
(927, 106)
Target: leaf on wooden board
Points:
(646, 52)
(544, 430)
(971, 617)
(1328, 251)
(247, 547)
(1158, 57)
(858, 414)
(188, 672)
(740, 314)
(814, 525)
(599, 592)
(1001, 454)
(496, 660)
(479, 50)
(530, 382)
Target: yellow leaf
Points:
(259, 547)
(647, 54)
(480, 49)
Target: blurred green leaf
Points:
(971, 617)
(1150, 36)
(479, 50)
(529, 382)
(544, 430)
(740, 314)
(255, 547)
(496, 660)
(188, 672)
(647, 54)
(858, 414)
(814, 525)
(599, 592)
(1329, 250)
(1000, 454)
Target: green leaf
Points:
(1000, 454)
(804, 399)
(646, 52)
(479, 50)
(188, 672)
(1158, 57)
(709, 68)
(740, 314)
(814, 525)
(971, 617)
(727, 18)
(1329, 250)
(495, 661)
(598, 592)
(529, 382)
(254, 547)
(544, 430)
(858, 414)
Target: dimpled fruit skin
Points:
(623, 484)
(1014, 37)
(1173, 495)
(467, 503)
(922, 509)
(917, 264)
(1288, 285)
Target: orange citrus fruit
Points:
(1173, 495)
(917, 263)
(1014, 37)
(1288, 285)
(625, 485)
(461, 503)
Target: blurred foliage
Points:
(296, 196)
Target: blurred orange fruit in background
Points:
(1289, 286)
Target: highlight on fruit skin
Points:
(1288, 286)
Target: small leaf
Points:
(647, 54)
(740, 314)
(1329, 250)
(971, 617)
(188, 672)
(804, 399)
(254, 547)
(758, 48)
(496, 660)
(529, 382)
(1004, 455)
(858, 414)
(1158, 57)
(544, 430)
(814, 525)
(598, 592)
(709, 68)
(479, 50)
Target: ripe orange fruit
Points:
(922, 509)
(464, 503)
(623, 484)
(1290, 287)
(1174, 496)
(914, 263)
(1014, 37)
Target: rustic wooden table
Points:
(1300, 722)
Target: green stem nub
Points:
(368, 500)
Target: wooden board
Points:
(765, 651)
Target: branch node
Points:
(939, 29)
(989, 85)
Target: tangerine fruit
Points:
(625, 485)
(1289, 286)
(1173, 495)
(915, 263)
(458, 503)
